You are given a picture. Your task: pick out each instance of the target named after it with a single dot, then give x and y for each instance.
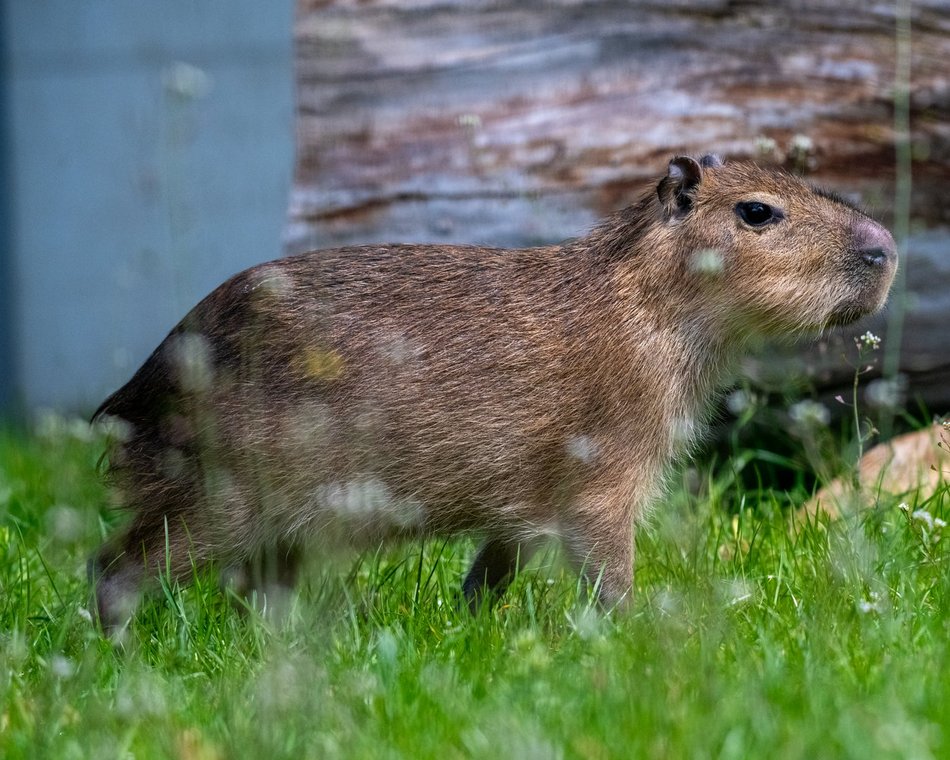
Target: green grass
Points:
(744, 640)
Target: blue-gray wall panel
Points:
(133, 195)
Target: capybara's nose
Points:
(873, 244)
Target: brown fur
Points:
(360, 394)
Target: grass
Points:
(744, 640)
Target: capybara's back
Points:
(360, 394)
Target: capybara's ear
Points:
(676, 189)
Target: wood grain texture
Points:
(523, 122)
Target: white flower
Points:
(739, 401)
(886, 393)
(801, 144)
(765, 145)
(923, 516)
(873, 604)
(62, 667)
(868, 340)
(810, 414)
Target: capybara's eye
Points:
(757, 213)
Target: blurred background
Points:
(147, 154)
(149, 150)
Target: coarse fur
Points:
(367, 393)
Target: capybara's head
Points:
(774, 254)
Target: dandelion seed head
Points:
(810, 414)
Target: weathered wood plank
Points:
(522, 122)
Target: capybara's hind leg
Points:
(123, 570)
(118, 580)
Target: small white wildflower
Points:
(84, 614)
(141, 695)
(923, 516)
(765, 145)
(739, 401)
(65, 523)
(387, 647)
(939, 524)
(886, 393)
(668, 603)
(810, 414)
(62, 667)
(801, 144)
(53, 426)
(868, 340)
(113, 428)
(874, 603)
(532, 653)
(904, 507)
(586, 623)
(738, 591)
(49, 424)
(470, 121)
(282, 684)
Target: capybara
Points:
(360, 394)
